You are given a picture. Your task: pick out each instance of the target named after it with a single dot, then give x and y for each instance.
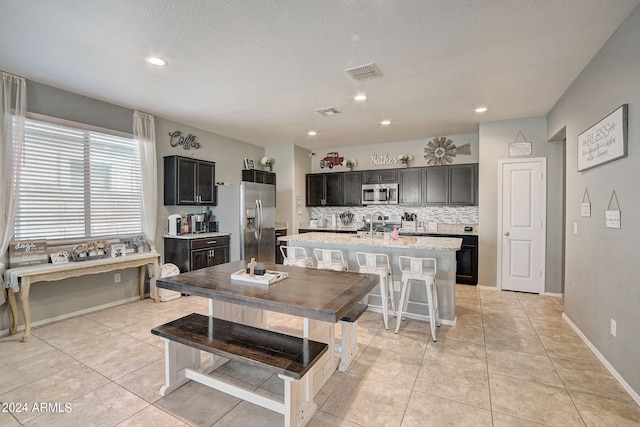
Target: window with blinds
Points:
(77, 183)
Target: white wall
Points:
(494, 139)
(601, 280)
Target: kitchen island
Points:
(443, 249)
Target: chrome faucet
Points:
(371, 222)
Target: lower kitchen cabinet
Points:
(197, 253)
(467, 261)
(466, 257)
(279, 257)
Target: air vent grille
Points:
(364, 72)
(327, 111)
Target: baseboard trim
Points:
(488, 288)
(604, 361)
(4, 332)
(553, 294)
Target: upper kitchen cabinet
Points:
(352, 188)
(455, 185)
(436, 186)
(189, 181)
(463, 184)
(262, 177)
(410, 186)
(324, 189)
(389, 176)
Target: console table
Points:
(22, 277)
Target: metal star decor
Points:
(442, 150)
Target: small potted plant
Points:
(351, 163)
(139, 242)
(268, 163)
(404, 158)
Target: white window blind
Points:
(77, 183)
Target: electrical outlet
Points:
(396, 286)
(575, 228)
(613, 327)
(117, 278)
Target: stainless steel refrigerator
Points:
(247, 210)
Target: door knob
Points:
(506, 234)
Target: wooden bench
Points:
(348, 347)
(288, 356)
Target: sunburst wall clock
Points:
(442, 150)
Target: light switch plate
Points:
(575, 228)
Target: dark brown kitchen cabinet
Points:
(189, 181)
(410, 186)
(352, 189)
(436, 185)
(194, 254)
(324, 189)
(463, 184)
(384, 176)
(262, 177)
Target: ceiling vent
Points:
(327, 111)
(364, 72)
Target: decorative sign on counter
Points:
(612, 216)
(28, 252)
(605, 141)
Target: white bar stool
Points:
(419, 269)
(379, 264)
(331, 259)
(295, 256)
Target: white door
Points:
(521, 224)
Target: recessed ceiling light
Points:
(481, 109)
(312, 133)
(157, 61)
(360, 97)
(385, 122)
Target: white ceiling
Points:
(256, 70)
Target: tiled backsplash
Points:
(442, 215)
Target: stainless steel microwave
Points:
(380, 194)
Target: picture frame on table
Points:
(118, 250)
(249, 164)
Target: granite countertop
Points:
(457, 229)
(406, 242)
(189, 236)
(330, 228)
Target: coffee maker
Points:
(198, 223)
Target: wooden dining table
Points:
(320, 297)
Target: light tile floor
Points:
(510, 361)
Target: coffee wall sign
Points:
(605, 141)
(187, 142)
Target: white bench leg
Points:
(348, 344)
(298, 400)
(177, 357)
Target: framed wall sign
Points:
(248, 164)
(605, 141)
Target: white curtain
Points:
(144, 132)
(13, 106)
